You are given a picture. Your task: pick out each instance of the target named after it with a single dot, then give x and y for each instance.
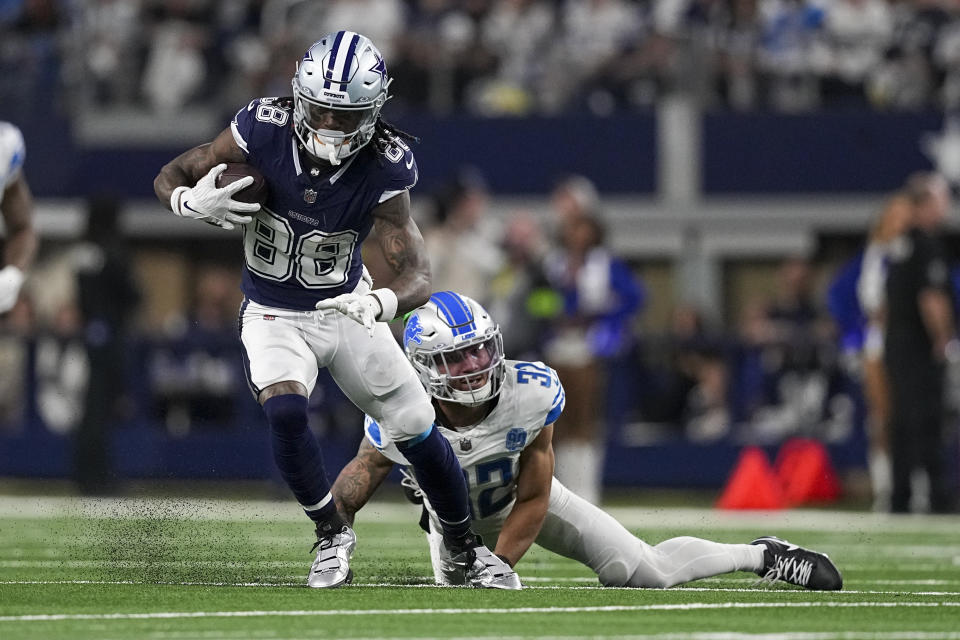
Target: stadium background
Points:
(722, 140)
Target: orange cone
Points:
(804, 469)
(753, 484)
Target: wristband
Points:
(175, 199)
(388, 303)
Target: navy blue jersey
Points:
(304, 245)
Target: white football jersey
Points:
(12, 154)
(531, 397)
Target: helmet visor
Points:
(323, 118)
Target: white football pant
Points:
(282, 345)
(576, 529)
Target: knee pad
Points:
(408, 421)
(614, 574)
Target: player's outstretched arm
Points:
(20, 247)
(534, 477)
(187, 184)
(359, 479)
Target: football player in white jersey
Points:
(334, 171)
(498, 415)
(16, 204)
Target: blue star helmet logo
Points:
(381, 68)
(413, 331)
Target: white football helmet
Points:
(341, 75)
(441, 335)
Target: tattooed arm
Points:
(359, 479)
(193, 164)
(403, 249)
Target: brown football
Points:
(256, 192)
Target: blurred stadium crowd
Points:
(493, 56)
(771, 368)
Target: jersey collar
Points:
(304, 176)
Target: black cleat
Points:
(795, 565)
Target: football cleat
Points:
(476, 566)
(331, 569)
(795, 565)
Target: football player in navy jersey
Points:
(499, 414)
(16, 206)
(334, 171)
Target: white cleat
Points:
(331, 569)
(479, 567)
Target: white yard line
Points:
(425, 582)
(693, 635)
(694, 606)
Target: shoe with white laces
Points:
(795, 565)
(470, 563)
(332, 569)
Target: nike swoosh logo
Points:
(409, 164)
(186, 205)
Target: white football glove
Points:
(11, 279)
(380, 305)
(206, 202)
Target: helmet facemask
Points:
(469, 373)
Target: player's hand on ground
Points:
(362, 308)
(206, 202)
(11, 279)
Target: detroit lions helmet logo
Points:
(413, 331)
(516, 438)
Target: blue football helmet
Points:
(444, 332)
(341, 75)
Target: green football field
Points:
(192, 568)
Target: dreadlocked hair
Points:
(384, 133)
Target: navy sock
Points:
(297, 454)
(441, 479)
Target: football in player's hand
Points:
(256, 192)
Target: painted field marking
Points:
(426, 582)
(694, 606)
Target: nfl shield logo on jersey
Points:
(465, 444)
(309, 196)
(516, 438)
